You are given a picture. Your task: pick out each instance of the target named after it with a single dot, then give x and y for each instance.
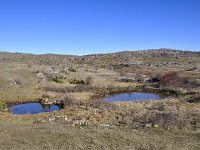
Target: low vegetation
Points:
(3, 106)
(58, 79)
(80, 82)
(193, 98)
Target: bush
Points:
(101, 104)
(77, 88)
(157, 106)
(193, 99)
(70, 101)
(127, 80)
(45, 96)
(58, 80)
(3, 106)
(170, 80)
(155, 79)
(55, 89)
(88, 81)
(72, 69)
(76, 81)
(165, 119)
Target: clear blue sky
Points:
(98, 26)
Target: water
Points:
(32, 108)
(135, 96)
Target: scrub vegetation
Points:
(88, 122)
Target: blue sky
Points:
(98, 26)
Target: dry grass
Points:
(82, 96)
(168, 113)
(53, 136)
(166, 124)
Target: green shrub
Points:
(3, 106)
(76, 81)
(58, 80)
(45, 96)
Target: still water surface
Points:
(134, 96)
(32, 108)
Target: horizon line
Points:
(99, 53)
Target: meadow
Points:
(88, 122)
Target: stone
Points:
(147, 125)
(80, 123)
(104, 125)
(52, 119)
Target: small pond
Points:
(32, 108)
(134, 96)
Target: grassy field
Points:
(87, 122)
(20, 135)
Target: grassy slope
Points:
(20, 135)
(18, 82)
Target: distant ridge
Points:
(161, 51)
